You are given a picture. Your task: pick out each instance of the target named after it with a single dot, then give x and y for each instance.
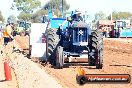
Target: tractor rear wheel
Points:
(96, 50)
(52, 42)
(99, 61)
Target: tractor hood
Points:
(57, 22)
(80, 24)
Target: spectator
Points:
(7, 33)
(1, 35)
(105, 32)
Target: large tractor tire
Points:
(52, 43)
(59, 57)
(96, 49)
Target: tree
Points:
(26, 8)
(12, 19)
(100, 16)
(1, 17)
(24, 16)
(37, 17)
(120, 15)
(56, 6)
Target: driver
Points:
(77, 15)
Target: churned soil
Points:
(13, 83)
(25, 73)
(117, 60)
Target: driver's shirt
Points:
(79, 17)
(75, 17)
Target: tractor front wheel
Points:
(59, 57)
(96, 50)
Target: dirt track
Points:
(117, 59)
(26, 76)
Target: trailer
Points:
(37, 40)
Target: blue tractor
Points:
(72, 41)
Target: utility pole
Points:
(62, 8)
(57, 8)
(111, 16)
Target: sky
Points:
(91, 6)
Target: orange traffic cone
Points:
(80, 71)
(7, 70)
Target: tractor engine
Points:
(80, 36)
(75, 37)
(74, 40)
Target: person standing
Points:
(7, 34)
(1, 35)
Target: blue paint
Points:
(126, 33)
(50, 14)
(56, 22)
(58, 19)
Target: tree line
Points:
(27, 9)
(31, 10)
(115, 15)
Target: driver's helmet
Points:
(77, 11)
